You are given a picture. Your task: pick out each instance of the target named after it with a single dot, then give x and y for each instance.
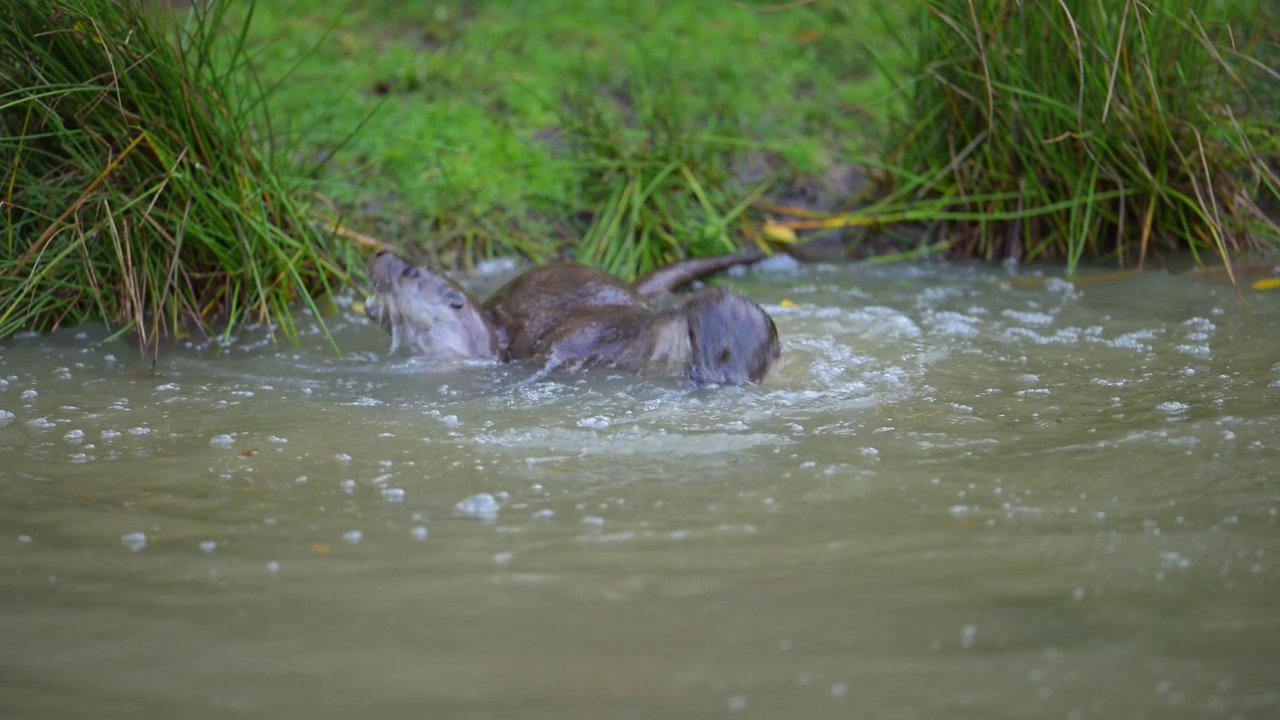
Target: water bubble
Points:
(139, 431)
(343, 458)
(223, 441)
(592, 520)
(135, 541)
(1173, 407)
(353, 536)
(594, 423)
(273, 568)
(968, 635)
(24, 538)
(503, 558)
(451, 421)
(545, 514)
(419, 533)
(6, 417)
(208, 546)
(348, 486)
(839, 689)
(29, 394)
(40, 423)
(739, 702)
(74, 436)
(393, 494)
(480, 505)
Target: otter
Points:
(573, 316)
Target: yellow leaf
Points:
(777, 232)
(357, 307)
(787, 303)
(319, 548)
(1267, 284)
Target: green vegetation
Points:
(230, 164)
(136, 185)
(636, 129)
(1073, 129)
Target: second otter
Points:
(573, 316)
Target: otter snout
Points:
(385, 269)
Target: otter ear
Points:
(455, 299)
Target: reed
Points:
(1077, 129)
(142, 183)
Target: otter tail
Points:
(666, 279)
(733, 340)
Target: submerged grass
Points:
(1079, 128)
(143, 184)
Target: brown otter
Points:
(573, 316)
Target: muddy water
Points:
(965, 494)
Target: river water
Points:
(966, 493)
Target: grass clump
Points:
(1079, 128)
(655, 184)
(142, 182)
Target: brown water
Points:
(965, 494)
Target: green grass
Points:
(158, 184)
(142, 183)
(624, 131)
(1081, 129)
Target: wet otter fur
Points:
(572, 316)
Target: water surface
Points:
(966, 493)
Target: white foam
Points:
(778, 263)
(1028, 318)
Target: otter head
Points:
(428, 313)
